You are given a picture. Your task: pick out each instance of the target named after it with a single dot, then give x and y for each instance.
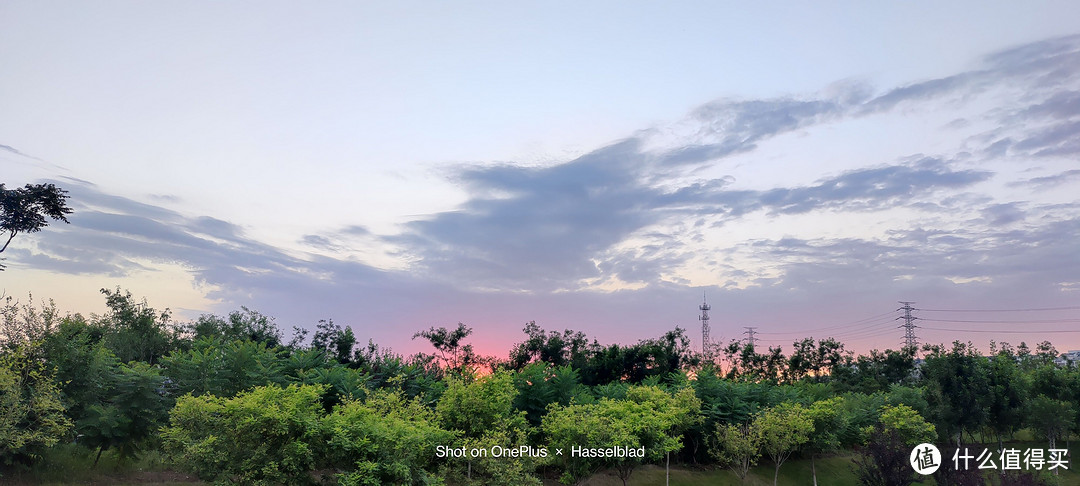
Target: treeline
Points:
(230, 399)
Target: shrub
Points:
(31, 415)
(266, 436)
(385, 439)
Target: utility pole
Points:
(750, 336)
(909, 326)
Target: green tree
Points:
(242, 325)
(335, 341)
(958, 389)
(24, 210)
(876, 372)
(136, 331)
(384, 439)
(483, 413)
(23, 324)
(1009, 390)
(539, 385)
(553, 348)
(813, 360)
(451, 354)
(1051, 418)
(648, 420)
(31, 415)
(224, 368)
(749, 365)
(85, 368)
(135, 405)
(485, 404)
(737, 447)
(883, 461)
(828, 422)
(269, 435)
(783, 429)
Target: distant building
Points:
(1072, 358)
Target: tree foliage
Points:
(883, 461)
(25, 209)
(31, 414)
(134, 330)
(737, 447)
(450, 352)
(648, 418)
(782, 430)
(270, 435)
(384, 439)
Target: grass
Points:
(74, 464)
(831, 471)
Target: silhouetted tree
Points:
(24, 210)
(450, 352)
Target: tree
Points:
(648, 422)
(223, 368)
(484, 415)
(958, 389)
(1051, 418)
(1008, 393)
(336, 341)
(244, 324)
(783, 429)
(539, 385)
(136, 405)
(883, 461)
(24, 210)
(568, 348)
(452, 354)
(136, 331)
(828, 422)
(737, 448)
(384, 439)
(269, 435)
(485, 404)
(31, 415)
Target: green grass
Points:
(74, 464)
(831, 471)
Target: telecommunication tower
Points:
(706, 349)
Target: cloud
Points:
(1003, 214)
(549, 228)
(738, 126)
(602, 238)
(1050, 181)
(544, 228)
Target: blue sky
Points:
(597, 167)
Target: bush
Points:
(385, 439)
(266, 436)
(31, 416)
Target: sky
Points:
(597, 166)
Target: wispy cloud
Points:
(636, 209)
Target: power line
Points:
(1040, 321)
(1034, 309)
(1008, 331)
(860, 322)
